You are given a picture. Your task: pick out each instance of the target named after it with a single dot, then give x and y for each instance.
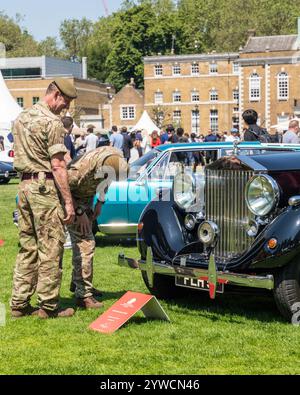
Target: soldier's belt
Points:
(35, 176)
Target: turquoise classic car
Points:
(126, 200)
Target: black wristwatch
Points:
(100, 201)
(79, 211)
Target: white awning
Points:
(9, 108)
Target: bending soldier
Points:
(91, 173)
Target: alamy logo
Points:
(296, 315)
(2, 314)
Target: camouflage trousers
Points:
(83, 248)
(39, 262)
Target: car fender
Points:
(161, 231)
(285, 228)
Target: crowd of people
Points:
(134, 144)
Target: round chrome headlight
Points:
(190, 222)
(262, 195)
(184, 190)
(208, 232)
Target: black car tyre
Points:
(164, 287)
(4, 180)
(287, 288)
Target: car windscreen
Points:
(142, 163)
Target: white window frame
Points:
(214, 120)
(176, 69)
(283, 86)
(282, 118)
(236, 95)
(213, 68)
(177, 117)
(178, 95)
(130, 114)
(35, 100)
(195, 121)
(254, 87)
(236, 122)
(213, 95)
(160, 99)
(193, 66)
(158, 70)
(195, 97)
(235, 68)
(20, 101)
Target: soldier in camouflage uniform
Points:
(91, 173)
(39, 157)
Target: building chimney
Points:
(84, 68)
(132, 83)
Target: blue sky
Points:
(42, 18)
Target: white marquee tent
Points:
(9, 108)
(146, 123)
(284, 125)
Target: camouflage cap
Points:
(66, 87)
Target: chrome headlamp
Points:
(262, 195)
(208, 233)
(184, 190)
(190, 222)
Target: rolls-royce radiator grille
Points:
(226, 206)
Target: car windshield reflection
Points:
(137, 167)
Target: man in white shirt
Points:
(233, 136)
(91, 140)
(291, 136)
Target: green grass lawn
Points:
(233, 335)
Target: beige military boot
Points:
(66, 313)
(89, 303)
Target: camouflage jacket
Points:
(38, 135)
(88, 176)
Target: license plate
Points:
(201, 285)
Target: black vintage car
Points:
(236, 224)
(6, 172)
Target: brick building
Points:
(28, 78)
(197, 92)
(269, 79)
(210, 91)
(125, 108)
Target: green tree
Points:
(18, 42)
(142, 30)
(75, 35)
(49, 47)
(99, 47)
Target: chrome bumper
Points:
(151, 267)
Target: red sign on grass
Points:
(127, 307)
(1, 243)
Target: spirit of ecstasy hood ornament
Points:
(236, 147)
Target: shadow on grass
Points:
(107, 296)
(255, 306)
(113, 241)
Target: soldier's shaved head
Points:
(119, 165)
